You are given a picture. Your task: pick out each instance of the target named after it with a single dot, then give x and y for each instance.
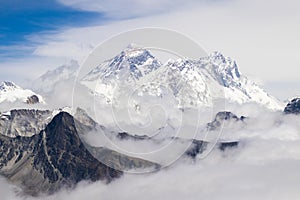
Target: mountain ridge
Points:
(188, 80)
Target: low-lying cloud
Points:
(264, 166)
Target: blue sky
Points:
(21, 18)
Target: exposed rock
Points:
(24, 122)
(53, 158)
(293, 107)
(122, 162)
(44, 161)
(82, 117)
(228, 145)
(126, 136)
(221, 117)
(197, 147)
(32, 99)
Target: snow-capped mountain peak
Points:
(135, 60)
(8, 86)
(127, 68)
(224, 68)
(188, 80)
(11, 93)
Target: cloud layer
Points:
(264, 166)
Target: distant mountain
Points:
(12, 93)
(192, 83)
(46, 82)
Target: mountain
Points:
(12, 93)
(129, 66)
(53, 158)
(132, 64)
(192, 83)
(42, 153)
(46, 82)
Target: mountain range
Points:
(43, 150)
(192, 83)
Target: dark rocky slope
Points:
(293, 107)
(53, 158)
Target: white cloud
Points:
(264, 166)
(128, 8)
(23, 70)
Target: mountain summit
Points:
(12, 93)
(130, 65)
(188, 81)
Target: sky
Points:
(262, 37)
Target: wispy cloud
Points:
(129, 8)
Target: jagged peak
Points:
(225, 66)
(8, 85)
(217, 57)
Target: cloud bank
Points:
(264, 166)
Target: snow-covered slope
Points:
(12, 93)
(127, 68)
(192, 83)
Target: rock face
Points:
(122, 162)
(293, 107)
(41, 153)
(53, 158)
(24, 122)
(32, 99)
(126, 136)
(222, 117)
(197, 147)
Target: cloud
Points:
(23, 70)
(264, 166)
(128, 8)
